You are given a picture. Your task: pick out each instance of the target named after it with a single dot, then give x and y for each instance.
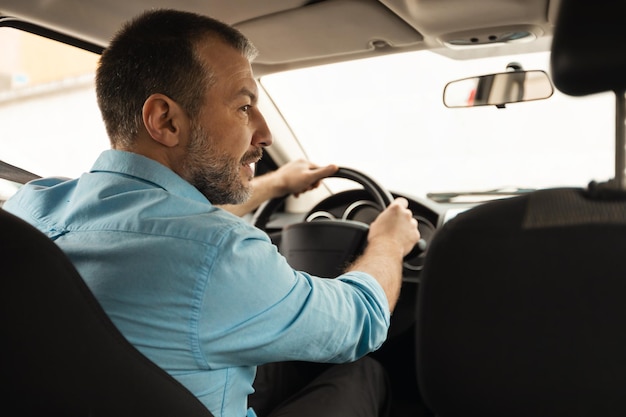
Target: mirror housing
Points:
(498, 89)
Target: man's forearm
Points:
(382, 259)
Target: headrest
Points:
(588, 48)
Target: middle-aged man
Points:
(197, 289)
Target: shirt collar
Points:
(146, 169)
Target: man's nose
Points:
(262, 135)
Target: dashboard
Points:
(357, 205)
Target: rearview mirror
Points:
(498, 89)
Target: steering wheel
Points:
(324, 247)
(380, 194)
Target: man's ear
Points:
(164, 120)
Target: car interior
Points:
(512, 301)
(538, 331)
(63, 356)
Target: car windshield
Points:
(386, 116)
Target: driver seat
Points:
(60, 353)
(522, 305)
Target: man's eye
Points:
(246, 108)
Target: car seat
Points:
(522, 305)
(60, 354)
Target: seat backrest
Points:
(522, 309)
(60, 354)
(522, 304)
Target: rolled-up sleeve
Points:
(256, 309)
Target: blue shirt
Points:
(199, 291)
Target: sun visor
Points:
(327, 29)
(588, 47)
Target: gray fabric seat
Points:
(522, 305)
(522, 312)
(60, 354)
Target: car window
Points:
(51, 125)
(386, 116)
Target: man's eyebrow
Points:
(247, 92)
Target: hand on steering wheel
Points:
(326, 247)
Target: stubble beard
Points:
(216, 176)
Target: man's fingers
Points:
(323, 172)
(402, 202)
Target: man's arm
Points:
(295, 177)
(391, 237)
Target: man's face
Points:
(229, 133)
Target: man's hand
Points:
(391, 237)
(295, 177)
(299, 176)
(396, 225)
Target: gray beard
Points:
(215, 176)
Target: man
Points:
(199, 291)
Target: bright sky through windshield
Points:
(386, 117)
(382, 116)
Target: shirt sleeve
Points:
(256, 309)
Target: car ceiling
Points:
(296, 33)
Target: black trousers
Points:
(304, 389)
